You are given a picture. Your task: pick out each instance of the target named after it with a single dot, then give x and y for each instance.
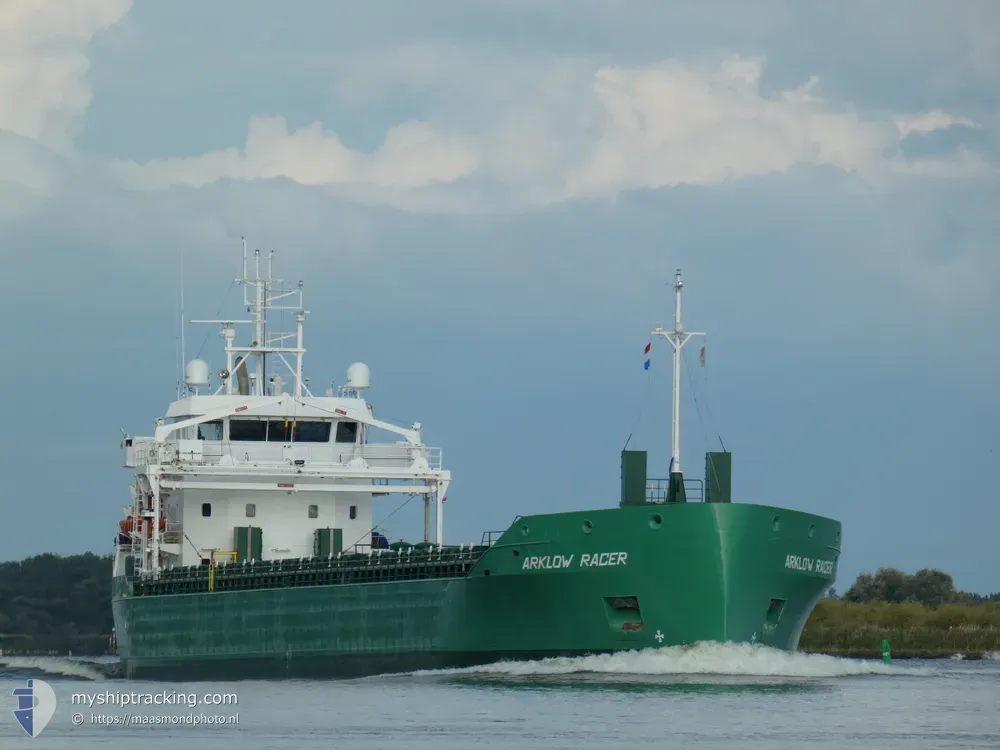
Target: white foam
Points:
(701, 658)
(992, 655)
(54, 665)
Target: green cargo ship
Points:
(249, 549)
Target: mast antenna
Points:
(183, 348)
(266, 348)
(677, 338)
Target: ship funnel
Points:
(242, 379)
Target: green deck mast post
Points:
(633, 478)
(677, 338)
(718, 477)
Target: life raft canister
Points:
(126, 525)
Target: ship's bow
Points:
(654, 575)
(775, 564)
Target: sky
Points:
(486, 204)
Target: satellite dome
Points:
(359, 376)
(197, 374)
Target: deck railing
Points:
(267, 456)
(401, 564)
(656, 490)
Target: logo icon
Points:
(35, 705)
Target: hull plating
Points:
(562, 584)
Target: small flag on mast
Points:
(649, 347)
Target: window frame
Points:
(247, 420)
(222, 430)
(326, 433)
(344, 423)
(273, 426)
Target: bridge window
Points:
(314, 511)
(279, 431)
(347, 432)
(247, 429)
(251, 510)
(311, 432)
(210, 430)
(288, 431)
(206, 509)
(354, 512)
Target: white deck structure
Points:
(251, 471)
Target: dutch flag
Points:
(649, 348)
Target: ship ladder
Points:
(231, 553)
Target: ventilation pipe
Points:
(242, 379)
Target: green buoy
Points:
(886, 654)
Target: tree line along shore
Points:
(62, 605)
(923, 616)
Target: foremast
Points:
(678, 338)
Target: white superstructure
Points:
(255, 467)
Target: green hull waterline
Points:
(564, 584)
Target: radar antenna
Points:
(249, 371)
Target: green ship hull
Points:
(566, 584)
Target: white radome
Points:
(359, 375)
(197, 374)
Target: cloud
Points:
(669, 124)
(413, 155)
(928, 122)
(619, 129)
(43, 64)
(30, 176)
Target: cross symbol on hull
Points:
(659, 636)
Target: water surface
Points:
(709, 696)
